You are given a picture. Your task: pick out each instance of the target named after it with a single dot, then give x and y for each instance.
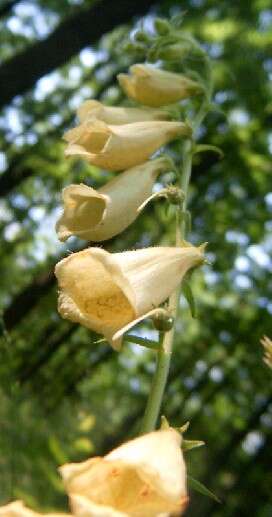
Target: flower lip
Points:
(95, 292)
(85, 210)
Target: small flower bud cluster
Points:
(167, 42)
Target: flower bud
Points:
(133, 48)
(175, 52)
(153, 87)
(162, 26)
(141, 36)
(162, 320)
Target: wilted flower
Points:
(145, 477)
(118, 115)
(99, 215)
(121, 147)
(153, 87)
(18, 509)
(108, 293)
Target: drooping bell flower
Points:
(109, 292)
(153, 87)
(116, 115)
(116, 147)
(97, 215)
(145, 477)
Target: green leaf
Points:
(199, 487)
(188, 293)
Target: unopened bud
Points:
(162, 320)
(162, 26)
(174, 52)
(175, 195)
(132, 48)
(141, 36)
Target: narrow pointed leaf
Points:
(199, 487)
(188, 293)
(202, 148)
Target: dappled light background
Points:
(63, 396)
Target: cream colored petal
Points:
(99, 215)
(18, 509)
(154, 273)
(121, 147)
(143, 478)
(153, 87)
(117, 485)
(94, 292)
(158, 459)
(83, 507)
(116, 115)
(89, 108)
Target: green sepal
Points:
(202, 148)
(164, 423)
(183, 428)
(187, 445)
(199, 487)
(188, 293)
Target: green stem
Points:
(157, 389)
(148, 343)
(166, 339)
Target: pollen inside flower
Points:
(122, 487)
(94, 291)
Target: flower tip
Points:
(202, 247)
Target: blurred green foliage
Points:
(63, 396)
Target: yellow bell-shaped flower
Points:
(109, 293)
(153, 87)
(99, 215)
(145, 477)
(121, 147)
